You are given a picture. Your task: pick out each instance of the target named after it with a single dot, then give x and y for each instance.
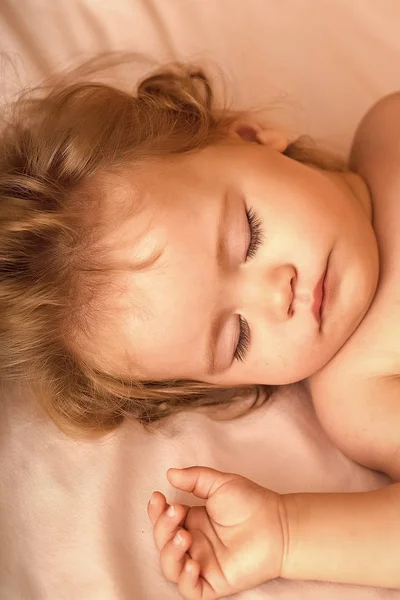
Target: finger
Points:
(167, 524)
(156, 506)
(200, 481)
(172, 556)
(189, 584)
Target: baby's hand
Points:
(234, 542)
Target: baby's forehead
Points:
(151, 229)
(152, 189)
(113, 215)
(117, 196)
(118, 209)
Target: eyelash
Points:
(243, 341)
(256, 233)
(256, 237)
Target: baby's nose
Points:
(279, 292)
(264, 292)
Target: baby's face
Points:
(240, 236)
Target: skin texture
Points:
(236, 509)
(353, 537)
(245, 535)
(191, 267)
(205, 276)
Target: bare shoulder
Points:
(378, 132)
(357, 395)
(375, 155)
(382, 121)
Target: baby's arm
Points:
(246, 535)
(344, 538)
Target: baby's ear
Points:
(250, 131)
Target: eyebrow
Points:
(218, 320)
(215, 330)
(221, 233)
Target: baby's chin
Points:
(336, 349)
(343, 340)
(316, 362)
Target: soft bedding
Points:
(73, 514)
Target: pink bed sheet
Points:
(73, 520)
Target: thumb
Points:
(200, 481)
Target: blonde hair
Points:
(54, 143)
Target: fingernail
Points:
(178, 539)
(152, 499)
(189, 567)
(171, 511)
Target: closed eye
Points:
(256, 238)
(256, 233)
(243, 344)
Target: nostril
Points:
(292, 296)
